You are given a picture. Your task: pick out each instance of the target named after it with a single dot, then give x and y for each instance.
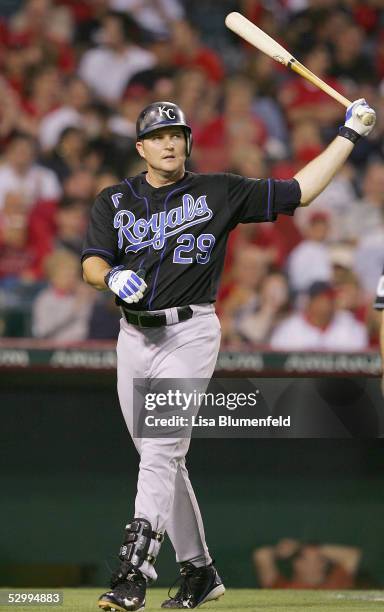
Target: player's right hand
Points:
(126, 284)
(354, 117)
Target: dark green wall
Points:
(68, 471)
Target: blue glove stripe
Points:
(133, 286)
(128, 290)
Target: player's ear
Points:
(140, 148)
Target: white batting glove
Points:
(126, 284)
(355, 114)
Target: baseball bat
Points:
(259, 39)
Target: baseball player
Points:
(157, 240)
(379, 305)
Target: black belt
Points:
(155, 319)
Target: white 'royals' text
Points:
(141, 233)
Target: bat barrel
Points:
(265, 43)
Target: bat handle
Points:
(368, 119)
(303, 71)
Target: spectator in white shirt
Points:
(352, 219)
(21, 174)
(368, 258)
(107, 69)
(62, 310)
(320, 326)
(152, 15)
(69, 114)
(369, 227)
(310, 259)
(338, 200)
(366, 215)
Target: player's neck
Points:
(157, 179)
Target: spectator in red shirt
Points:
(306, 144)
(198, 97)
(190, 51)
(17, 260)
(302, 100)
(14, 64)
(41, 96)
(250, 267)
(236, 127)
(313, 566)
(278, 238)
(9, 111)
(45, 31)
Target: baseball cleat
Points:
(198, 585)
(127, 594)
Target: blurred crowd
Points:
(291, 564)
(74, 77)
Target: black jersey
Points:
(178, 233)
(379, 300)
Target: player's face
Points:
(164, 150)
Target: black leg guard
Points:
(135, 548)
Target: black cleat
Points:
(126, 594)
(198, 585)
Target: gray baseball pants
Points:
(165, 496)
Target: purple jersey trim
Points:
(137, 196)
(90, 250)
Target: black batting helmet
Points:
(163, 114)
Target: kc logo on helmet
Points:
(168, 112)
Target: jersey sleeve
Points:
(101, 237)
(258, 200)
(379, 300)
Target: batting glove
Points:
(357, 112)
(126, 284)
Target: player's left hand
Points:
(126, 284)
(354, 117)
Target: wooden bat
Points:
(259, 39)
